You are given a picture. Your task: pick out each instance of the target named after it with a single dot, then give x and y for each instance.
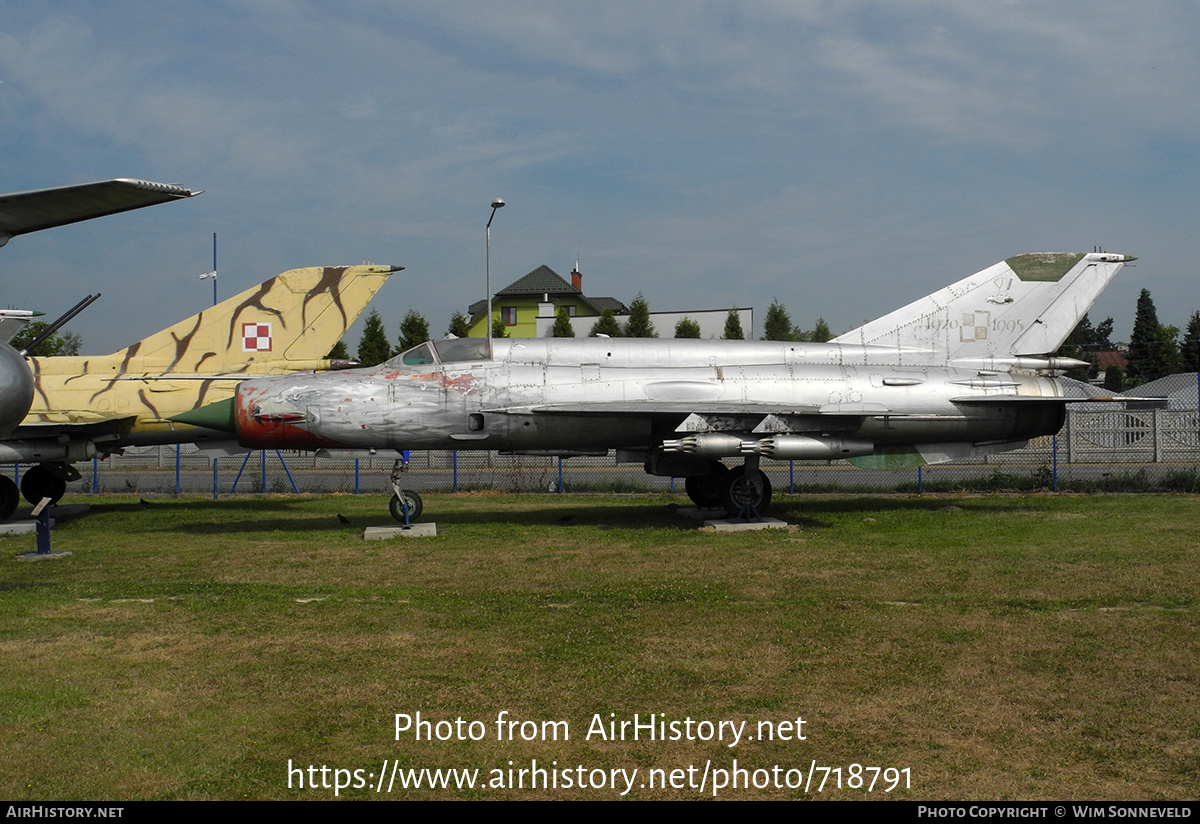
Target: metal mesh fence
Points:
(1099, 446)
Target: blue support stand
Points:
(286, 471)
(43, 531)
(746, 512)
(238, 477)
(246, 460)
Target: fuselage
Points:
(563, 394)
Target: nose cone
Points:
(272, 413)
(16, 389)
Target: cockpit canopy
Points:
(450, 350)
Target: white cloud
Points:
(678, 138)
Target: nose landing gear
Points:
(406, 505)
(406, 499)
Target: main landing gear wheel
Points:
(745, 487)
(9, 497)
(41, 482)
(412, 500)
(705, 490)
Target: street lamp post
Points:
(213, 274)
(213, 277)
(496, 204)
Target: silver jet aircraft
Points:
(965, 371)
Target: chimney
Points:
(576, 278)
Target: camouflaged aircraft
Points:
(968, 370)
(33, 211)
(92, 406)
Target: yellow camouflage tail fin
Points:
(287, 323)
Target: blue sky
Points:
(843, 157)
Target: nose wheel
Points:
(405, 505)
(406, 499)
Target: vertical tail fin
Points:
(1026, 305)
(286, 323)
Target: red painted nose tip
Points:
(273, 430)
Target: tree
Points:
(499, 330)
(1114, 379)
(562, 324)
(607, 325)
(1145, 325)
(1153, 348)
(1084, 342)
(373, 347)
(687, 328)
(1191, 344)
(639, 325)
(55, 345)
(820, 332)
(778, 324)
(414, 330)
(458, 326)
(338, 352)
(72, 343)
(733, 326)
(1167, 357)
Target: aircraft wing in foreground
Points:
(964, 371)
(23, 212)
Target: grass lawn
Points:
(994, 647)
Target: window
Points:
(508, 314)
(462, 349)
(417, 356)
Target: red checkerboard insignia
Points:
(256, 337)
